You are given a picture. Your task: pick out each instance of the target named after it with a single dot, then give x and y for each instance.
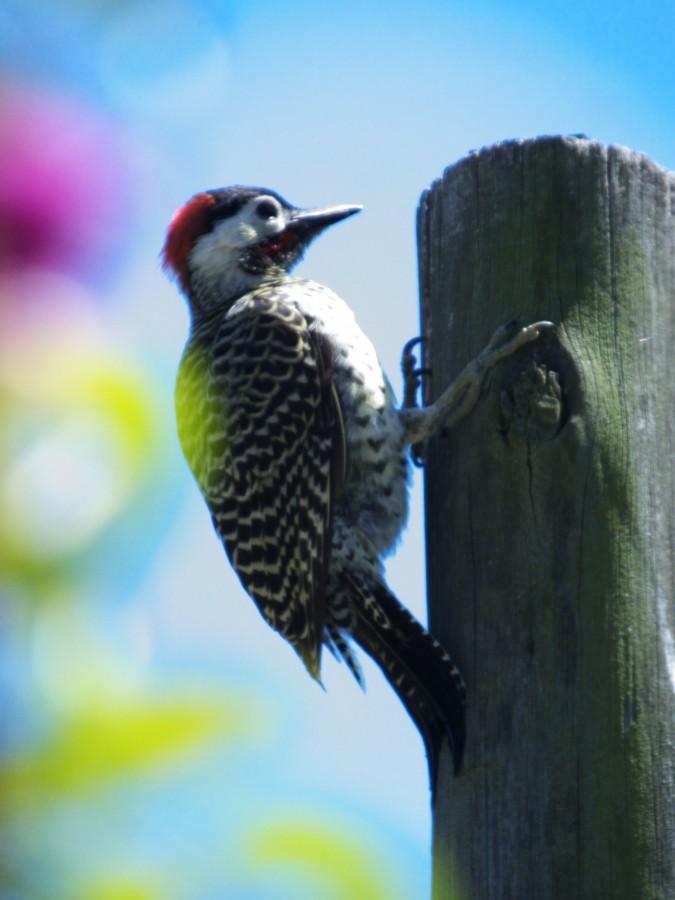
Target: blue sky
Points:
(338, 102)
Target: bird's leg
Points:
(461, 396)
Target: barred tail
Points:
(427, 681)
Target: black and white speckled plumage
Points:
(292, 432)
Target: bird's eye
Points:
(266, 209)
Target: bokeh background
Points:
(157, 739)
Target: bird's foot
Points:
(459, 398)
(412, 373)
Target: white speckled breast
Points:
(374, 499)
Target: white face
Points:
(257, 220)
(215, 256)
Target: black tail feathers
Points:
(416, 666)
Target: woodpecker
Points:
(293, 435)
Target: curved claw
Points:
(408, 360)
(509, 337)
(412, 373)
(413, 342)
(537, 328)
(418, 455)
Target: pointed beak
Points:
(310, 222)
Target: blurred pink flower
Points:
(64, 195)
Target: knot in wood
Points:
(533, 405)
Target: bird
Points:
(294, 436)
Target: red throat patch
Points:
(279, 243)
(185, 227)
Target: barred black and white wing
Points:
(260, 426)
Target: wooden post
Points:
(551, 521)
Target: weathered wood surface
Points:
(551, 537)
